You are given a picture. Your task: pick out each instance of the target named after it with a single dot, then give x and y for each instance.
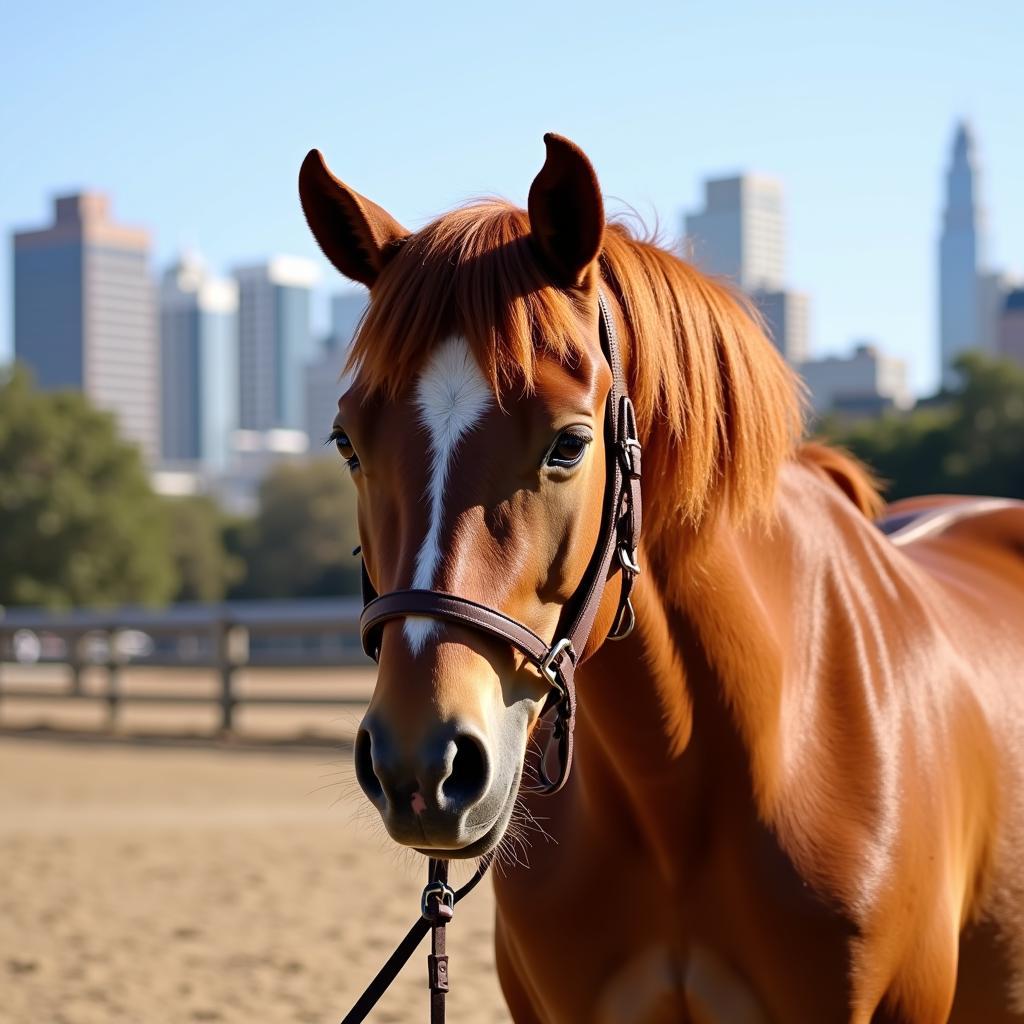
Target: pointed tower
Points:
(960, 254)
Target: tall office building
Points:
(274, 342)
(960, 255)
(994, 286)
(786, 318)
(1011, 327)
(198, 364)
(739, 234)
(84, 313)
(324, 375)
(347, 309)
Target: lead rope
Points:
(437, 908)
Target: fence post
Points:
(74, 651)
(113, 679)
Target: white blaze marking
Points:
(452, 396)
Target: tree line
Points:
(968, 441)
(81, 526)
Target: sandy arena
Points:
(173, 881)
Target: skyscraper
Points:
(84, 316)
(347, 309)
(275, 341)
(739, 233)
(198, 364)
(324, 383)
(1011, 327)
(785, 316)
(960, 252)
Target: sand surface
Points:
(151, 883)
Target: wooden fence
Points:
(222, 637)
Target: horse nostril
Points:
(468, 778)
(365, 774)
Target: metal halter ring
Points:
(547, 666)
(628, 559)
(445, 899)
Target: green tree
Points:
(973, 443)
(205, 568)
(300, 543)
(79, 523)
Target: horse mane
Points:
(848, 473)
(717, 407)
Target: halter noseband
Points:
(617, 541)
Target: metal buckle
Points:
(627, 559)
(445, 897)
(547, 666)
(629, 439)
(627, 446)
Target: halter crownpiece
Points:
(617, 542)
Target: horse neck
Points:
(696, 690)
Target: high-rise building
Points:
(786, 318)
(347, 309)
(994, 287)
(274, 341)
(324, 385)
(739, 234)
(84, 313)
(324, 375)
(1011, 327)
(960, 256)
(198, 364)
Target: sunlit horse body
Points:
(799, 784)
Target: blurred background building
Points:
(275, 341)
(786, 316)
(865, 383)
(740, 235)
(972, 294)
(324, 384)
(960, 246)
(198, 364)
(84, 313)
(1011, 327)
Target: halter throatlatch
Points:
(617, 550)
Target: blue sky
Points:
(195, 117)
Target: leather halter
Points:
(556, 661)
(617, 541)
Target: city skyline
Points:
(205, 150)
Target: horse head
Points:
(474, 433)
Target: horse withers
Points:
(798, 792)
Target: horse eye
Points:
(568, 449)
(344, 446)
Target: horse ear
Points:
(566, 212)
(355, 234)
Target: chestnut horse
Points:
(799, 783)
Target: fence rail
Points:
(222, 637)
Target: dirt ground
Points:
(174, 881)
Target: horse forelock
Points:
(718, 409)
